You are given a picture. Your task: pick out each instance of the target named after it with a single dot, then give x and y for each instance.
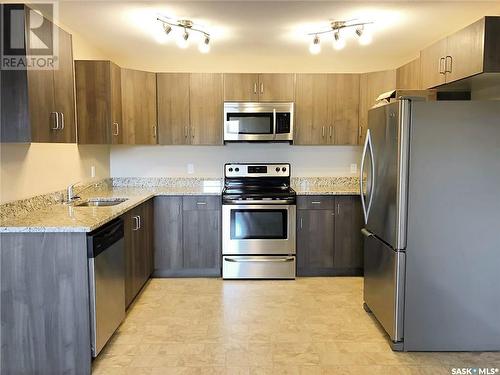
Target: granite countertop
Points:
(69, 218)
(58, 217)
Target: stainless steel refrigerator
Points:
(431, 203)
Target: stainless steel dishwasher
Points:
(106, 262)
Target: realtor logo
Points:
(28, 38)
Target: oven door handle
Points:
(259, 259)
(250, 202)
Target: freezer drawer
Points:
(384, 284)
(258, 267)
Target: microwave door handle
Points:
(274, 123)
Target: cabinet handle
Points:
(446, 64)
(338, 208)
(315, 202)
(192, 132)
(140, 223)
(255, 88)
(323, 131)
(62, 120)
(441, 67)
(262, 88)
(136, 221)
(56, 121)
(155, 131)
(360, 131)
(300, 223)
(185, 131)
(116, 128)
(201, 203)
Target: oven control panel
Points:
(257, 170)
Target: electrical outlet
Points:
(354, 168)
(190, 168)
(92, 171)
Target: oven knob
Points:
(236, 169)
(283, 169)
(277, 169)
(230, 169)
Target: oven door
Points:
(266, 229)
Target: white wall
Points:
(171, 161)
(38, 168)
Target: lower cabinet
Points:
(187, 236)
(329, 240)
(139, 254)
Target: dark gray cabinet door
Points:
(187, 236)
(315, 242)
(201, 239)
(348, 239)
(202, 235)
(168, 235)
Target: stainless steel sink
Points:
(101, 202)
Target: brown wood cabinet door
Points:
(465, 49)
(173, 108)
(41, 102)
(371, 85)
(241, 87)
(64, 98)
(116, 124)
(276, 87)
(343, 109)
(348, 238)
(408, 76)
(432, 64)
(138, 91)
(205, 108)
(93, 101)
(311, 109)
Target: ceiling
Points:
(267, 36)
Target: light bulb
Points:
(204, 47)
(338, 41)
(315, 47)
(183, 42)
(365, 36)
(160, 33)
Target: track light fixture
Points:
(187, 27)
(339, 42)
(315, 47)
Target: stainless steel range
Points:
(258, 222)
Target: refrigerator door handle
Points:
(368, 143)
(366, 233)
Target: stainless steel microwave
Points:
(258, 122)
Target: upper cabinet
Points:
(98, 100)
(206, 108)
(268, 87)
(38, 105)
(326, 109)
(241, 87)
(408, 76)
(173, 108)
(138, 91)
(371, 85)
(190, 108)
(470, 51)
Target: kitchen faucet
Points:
(70, 195)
